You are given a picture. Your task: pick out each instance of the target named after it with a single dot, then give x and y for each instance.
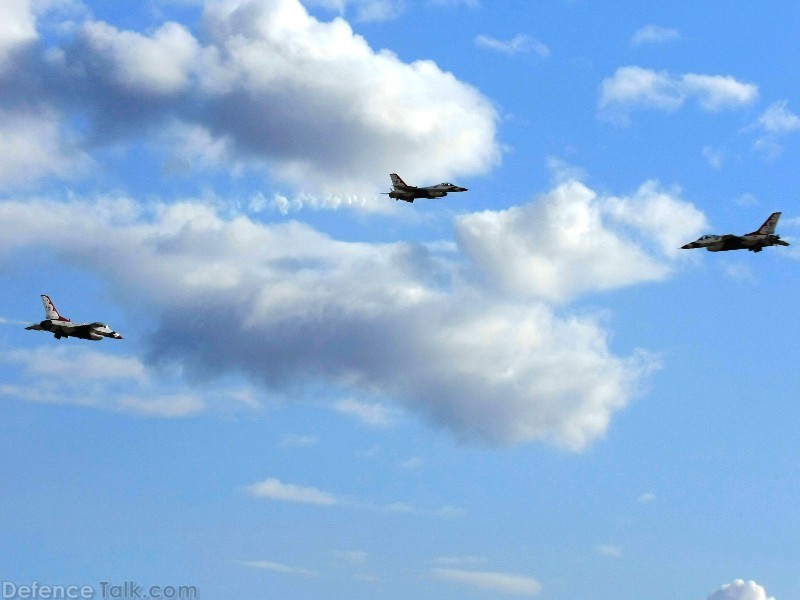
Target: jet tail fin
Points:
(397, 182)
(768, 228)
(50, 310)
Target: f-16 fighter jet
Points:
(62, 327)
(754, 242)
(409, 193)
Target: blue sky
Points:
(524, 390)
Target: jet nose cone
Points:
(117, 336)
(687, 247)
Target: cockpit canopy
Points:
(447, 184)
(101, 325)
(707, 237)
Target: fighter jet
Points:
(62, 327)
(409, 193)
(754, 242)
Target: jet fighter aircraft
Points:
(754, 242)
(409, 193)
(61, 326)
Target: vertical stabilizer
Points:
(396, 181)
(768, 228)
(50, 310)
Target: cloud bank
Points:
(266, 85)
(477, 340)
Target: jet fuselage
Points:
(722, 243)
(409, 193)
(62, 327)
(754, 242)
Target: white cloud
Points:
(740, 590)
(718, 92)
(274, 489)
(653, 34)
(378, 10)
(520, 43)
(714, 158)
(81, 365)
(364, 10)
(493, 360)
(659, 215)
(412, 463)
(33, 145)
(157, 65)
(269, 87)
(778, 119)
(633, 87)
(501, 583)
(90, 378)
(769, 147)
(609, 550)
(268, 565)
(293, 440)
(164, 405)
(646, 498)
(17, 29)
(327, 110)
(371, 414)
(572, 241)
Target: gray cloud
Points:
(453, 341)
(266, 85)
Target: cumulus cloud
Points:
(274, 489)
(266, 86)
(501, 583)
(633, 87)
(157, 65)
(740, 590)
(17, 29)
(778, 119)
(520, 43)
(573, 241)
(653, 34)
(495, 355)
(34, 144)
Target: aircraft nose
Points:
(687, 247)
